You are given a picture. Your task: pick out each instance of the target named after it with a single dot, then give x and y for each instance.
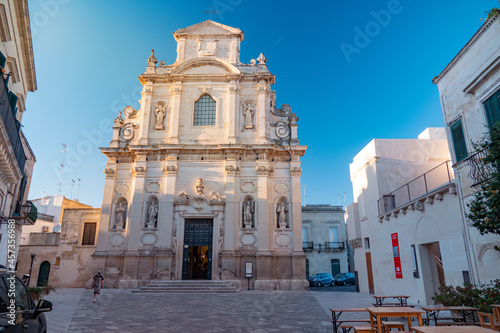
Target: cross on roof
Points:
(210, 12)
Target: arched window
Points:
(204, 111)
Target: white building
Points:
(17, 159)
(469, 88)
(405, 223)
(203, 180)
(324, 238)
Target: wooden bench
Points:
(364, 329)
(346, 325)
(457, 323)
(387, 325)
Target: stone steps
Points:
(191, 286)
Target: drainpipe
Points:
(471, 253)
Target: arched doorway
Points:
(43, 274)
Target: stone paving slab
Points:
(248, 311)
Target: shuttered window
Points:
(3, 60)
(204, 111)
(457, 135)
(492, 107)
(89, 233)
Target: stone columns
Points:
(107, 204)
(175, 113)
(233, 112)
(261, 116)
(134, 221)
(147, 96)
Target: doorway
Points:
(43, 274)
(432, 268)
(197, 255)
(369, 273)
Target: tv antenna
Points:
(72, 185)
(78, 189)
(61, 171)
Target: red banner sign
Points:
(397, 259)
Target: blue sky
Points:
(346, 88)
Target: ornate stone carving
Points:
(139, 170)
(152, 61)
(109, 173)
(282, 129)
(120, 216)
(200, 186)
(207, 48)
(160, 111)
(122, 189)
(281, 211)
(247, 187)
(174, 235)
(215, 197)
(264, 170)
(147, 92)
(118, 120)
(248, 212)
(129, 112)
(295, 171)
(248, 112)
(127, 131)
(116, 240)
(263, 90)
(262, 59)
(149, 238)
(170, 169)
(284, 112)
(220, 240)
(153, 187)
(293, 119)
(419, 206)
(183, 197)
(233, 90)
(152, 214)
(281, 188)
(282, 239)
(198, 203)
(232, 170)
(176, 90)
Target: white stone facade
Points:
(425, 215)
(470, 80)
(239, 170)
(324, 238)
(17, 160)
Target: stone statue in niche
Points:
(248, 211)
(120, 216)
(152, 215)
(160, 114)
(281, 212)
(248, 112)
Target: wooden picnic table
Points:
(432, 312)
(451, 329)
(336, 315)
(393, 311)
(402, 299)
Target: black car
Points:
(18, 312)
(345, 278)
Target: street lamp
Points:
(31, 267)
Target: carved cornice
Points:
(139, 171)
(176, 90)
(232, 170)
(147, 92)
(169, 169)
(295, 171)
(109, 173)
(234, 90)
(264, 170)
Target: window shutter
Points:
(13, 102)
(458, 137)
(492, 108)
(3, 60)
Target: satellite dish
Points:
(57, 227)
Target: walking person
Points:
(97, 284)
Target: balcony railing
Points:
(419, 186)
(479, 171)
(11, 125)
(330, 246)
(307, 246)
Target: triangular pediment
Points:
(208, 28)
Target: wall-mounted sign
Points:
(397, 258)
(248, 269)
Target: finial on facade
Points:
(119, 120)
(200, 186)
(262, 59)
(152, 59)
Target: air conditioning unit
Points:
(45, 228)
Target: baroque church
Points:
(203, 180)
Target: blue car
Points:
(321, 279)
(345, 278)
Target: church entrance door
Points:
(197, 255)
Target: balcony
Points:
(307, 246)
(334, 246)
(11, 147)
(28, 215)
(479, 171)
(419, 186)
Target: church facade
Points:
(203, 180)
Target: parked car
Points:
(321, 279)
(18, 312)
(345, 278)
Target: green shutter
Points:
(492, 108)
(458, 137)
(3, 60)
(13, 102)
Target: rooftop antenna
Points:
(303, 187)
(78, 189)
(72, 185)
(62, 169)
(340, 196)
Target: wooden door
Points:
(369, 273)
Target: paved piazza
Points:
(248, 311)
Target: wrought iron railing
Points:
(419, 186)
(307, 246)
(11, 125)
(334, 246)
(479, 171)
